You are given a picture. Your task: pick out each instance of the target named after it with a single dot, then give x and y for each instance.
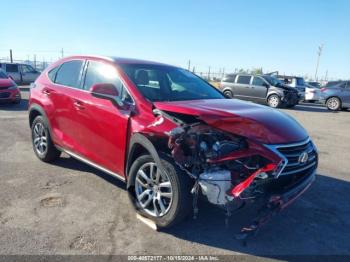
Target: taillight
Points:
(323, 89)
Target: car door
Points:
(242, 87)
(102, 125)
(258, 89)
(63, 94)
(14, 71)
(29, 74)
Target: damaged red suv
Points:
(169, 135)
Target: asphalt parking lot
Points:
(70, 208)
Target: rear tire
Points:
(43, 146)
(274, 101)
(165, 211)
(228, 94)
(333, 104)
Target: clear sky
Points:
(276, 35)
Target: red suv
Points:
(170, 136)
(9, 91)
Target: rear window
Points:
(11, 68)
(229, 78)
(69, 74)
(243, 80)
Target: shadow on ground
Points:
(22, 106)
(316, 224)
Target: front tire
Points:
(163, 197)
(333, 103)
(43, 146)
(274, 101)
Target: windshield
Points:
(166, 83)
(272, 80)
(3, 75)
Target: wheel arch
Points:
(140, 145)
(36, 110)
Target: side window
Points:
(52, 73)
(69, 74)
(98, 72)
(229, 78)
(243, 80)
(27, 69)
(342, 85)
(11, 68)
(257, 81)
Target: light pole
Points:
(319, 52)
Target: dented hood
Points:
(261, 123)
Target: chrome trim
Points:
(274, 149)
(90, 163)
(299, 170)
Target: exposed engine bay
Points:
(208, 155)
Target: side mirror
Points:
(106, 91)
(266, 85)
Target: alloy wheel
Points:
(153, 190)
(333, 103)
(273, 101)
(40, 138)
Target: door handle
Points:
(79, 105)
(46, 92)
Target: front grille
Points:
(5, 95)
(291, 154)
(4, 87)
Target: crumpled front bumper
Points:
(276, 202)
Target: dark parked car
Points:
(170, 136)
(336, 95)
(264, 89)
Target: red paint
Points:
(13, 93)
(257, 122)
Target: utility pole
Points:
(209, 74)
(319, 52)
(62, 53)
(34, 62)
(11, 58)
(189, 65)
